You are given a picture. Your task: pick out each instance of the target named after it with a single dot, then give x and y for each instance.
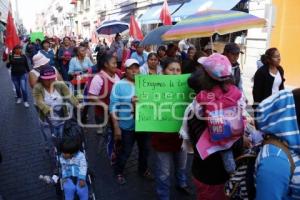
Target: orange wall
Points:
(286, 37)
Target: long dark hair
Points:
(104, 59)
(267, 57)
(208, 83)
(168, 61)
(151, 55)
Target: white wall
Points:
(4, 7)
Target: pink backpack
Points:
(223, 114)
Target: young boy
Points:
(74, 170)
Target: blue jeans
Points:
(163, 168)
(20, 83)
(47, 132)
(70, 189)
(127, 144)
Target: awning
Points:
(194, 6)
(151, 16)
(116, 16)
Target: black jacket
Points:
(18, 64)
(263, 83)
(210, 171)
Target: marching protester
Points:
(101, 86)
(140, 55)
(213, 161)
(122, 103)
(269, 78)
(151, 66)
(172, 52)
(168, 151)
(161, 53)
(47, 52)
(79, 64)
(49, 97)
(19, 66)
(232, 52)
(278, 165)
(39, 61)
(189, 64)
(65, 53)
(116, 44)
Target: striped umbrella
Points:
(206, 23)
(112, 27)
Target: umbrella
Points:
(206, 23)
(112, 27)
(154, 37)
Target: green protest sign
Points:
(36, 35)
(162, 100)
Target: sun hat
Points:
(217, 66)
(130, 62)
(39, 60)
(47, 72)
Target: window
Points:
(87, 4)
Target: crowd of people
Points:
(60, 72)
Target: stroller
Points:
(72, 130)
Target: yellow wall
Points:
(286, 37)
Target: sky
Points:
(28, 10)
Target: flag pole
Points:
(212, 44)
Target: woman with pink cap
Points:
(50, 97)
(216, 138)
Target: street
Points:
(24, 158)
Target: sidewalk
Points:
(21, 146)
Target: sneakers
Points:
(120, 179)
(26, 104)
(19, 100)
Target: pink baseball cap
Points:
(217, 66)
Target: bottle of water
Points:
(228, 161)
(49, 180)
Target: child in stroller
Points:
(72, 178)
(73, 170)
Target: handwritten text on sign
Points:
(162, 100)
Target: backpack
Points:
(241, 184)
(224, 122)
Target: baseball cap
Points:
(130, 62)
(232, 48)
(217, 66)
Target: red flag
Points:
(165, 15)
(134, 29)
(12, 38)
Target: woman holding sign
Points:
(167, 148)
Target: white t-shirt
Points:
(55, 101)
(97, 82)
(277, 82)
